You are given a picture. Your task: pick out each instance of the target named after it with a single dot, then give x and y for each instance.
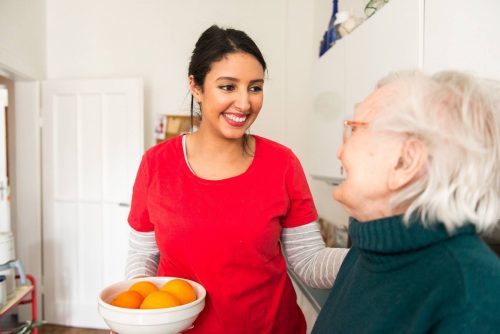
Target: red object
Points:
(31, 301)
(225, 234)
(23, 300)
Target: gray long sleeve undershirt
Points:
(303, 246)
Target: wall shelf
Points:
(19, 298)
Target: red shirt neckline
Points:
(187, 170)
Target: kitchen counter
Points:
(317, 297)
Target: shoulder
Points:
(473, 258)
(476, 262)
(165, 146)
(275, 150)
(473, 276)
(162, 155)
(163, 149)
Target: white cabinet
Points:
(386, 42)
(405, 34)
(462, 35)
(329, 106)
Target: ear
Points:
(411, 163)
(195, 89)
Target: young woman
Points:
(214, 206)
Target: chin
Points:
(233, 132)
(338, 196)
(233, 135)
(337, 193)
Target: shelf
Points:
(18, 297)
(21, 297)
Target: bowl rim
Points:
(198, 300)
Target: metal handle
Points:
(124, 204)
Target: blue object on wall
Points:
(329, 36)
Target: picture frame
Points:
(170, 126)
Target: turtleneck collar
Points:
(392, 235)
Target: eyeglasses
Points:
(350, 127)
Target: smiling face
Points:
(368, 158)
(231, 96)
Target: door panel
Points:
(116, 146)
(114, 265)
(91, 153)
(65, 147)
(92, 143)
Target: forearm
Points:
(307, 255)
(143, 255)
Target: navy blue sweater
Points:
(398, 279)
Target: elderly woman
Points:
(422, 159)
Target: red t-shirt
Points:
(225, 234)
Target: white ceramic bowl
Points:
(170, 320)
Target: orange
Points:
(180, 289)
(159, 299)
(128, 299)
(144, 288)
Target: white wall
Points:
(322, 192)
(22, 38)
(154, 39)
(300, 54)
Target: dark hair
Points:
(213, 44)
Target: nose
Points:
(242, 102)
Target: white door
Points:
(92, 142)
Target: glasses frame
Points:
(349, 125)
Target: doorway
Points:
(24, 134)
(6, 118)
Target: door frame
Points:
(25, 175)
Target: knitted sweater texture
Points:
(401, 278)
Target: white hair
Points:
(457, 116)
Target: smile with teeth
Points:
(236, 118)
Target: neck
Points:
(217, 158)
(376, 210)
(212, 147)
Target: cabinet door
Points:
(461, 35)
(328, 111)
(388, 41)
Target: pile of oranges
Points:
(146, 295)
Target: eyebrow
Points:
(237, 80)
